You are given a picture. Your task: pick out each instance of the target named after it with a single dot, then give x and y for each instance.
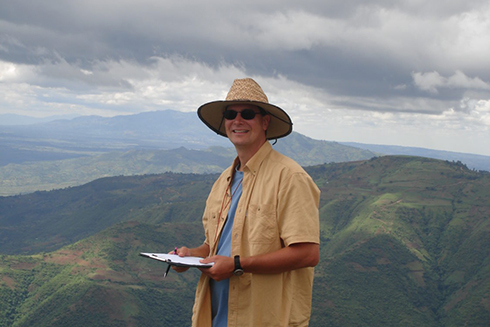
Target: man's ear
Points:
(266, 119)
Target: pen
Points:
(168, 267)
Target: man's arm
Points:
(295, 256)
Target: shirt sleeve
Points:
(298, 216)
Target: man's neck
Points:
(245, 154)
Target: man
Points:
(261, 222)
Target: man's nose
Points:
(239, 117)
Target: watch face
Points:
(238, 272)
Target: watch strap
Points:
(237, 262)
(238, 267)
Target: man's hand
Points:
(200, 251)
(182, 252)
(222, 269)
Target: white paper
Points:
(175, 260)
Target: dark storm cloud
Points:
(404, 62)
(358, 62)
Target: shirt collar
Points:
(254, 163)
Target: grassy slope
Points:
(44, 221)
(407, 239)
(101, 281)
(405, 242)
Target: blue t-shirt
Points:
(219, 290)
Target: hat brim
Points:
(211, 114)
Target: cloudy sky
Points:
(406, 72)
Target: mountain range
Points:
(65, 153)
(70, 152)
(405, 241)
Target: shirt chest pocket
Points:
(261, 224)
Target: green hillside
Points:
(45, 221)
(100, 281)
(405, 242)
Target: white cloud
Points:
(459, 79)
(113, 87)
(478, 111)
(7, 71)
(433, 81)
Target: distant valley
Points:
(71, 152)
(67, 153)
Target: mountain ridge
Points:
(405, 241)
(474, 161)
(67, 153)
(164, 129)
(47, 175)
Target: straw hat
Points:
(246, 91)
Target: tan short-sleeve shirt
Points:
(278, 207)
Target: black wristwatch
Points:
(238, 268)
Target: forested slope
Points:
(405, 242)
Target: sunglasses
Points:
(247, 114)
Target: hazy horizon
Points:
(28, 120)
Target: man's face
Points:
(246, 133)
